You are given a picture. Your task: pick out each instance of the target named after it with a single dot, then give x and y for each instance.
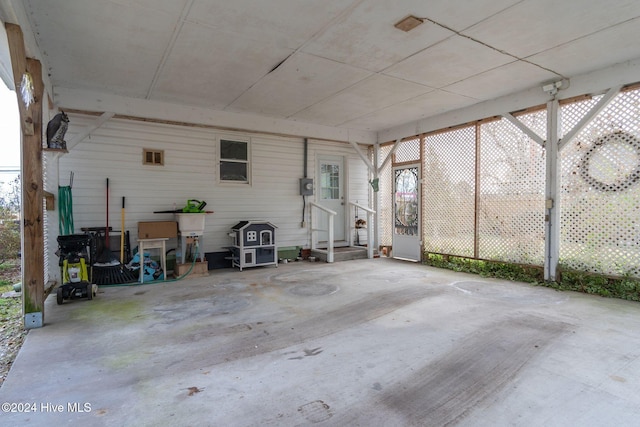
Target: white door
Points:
(330, 194)
(406, 218)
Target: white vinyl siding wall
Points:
(191, 171)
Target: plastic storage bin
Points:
(191, 224)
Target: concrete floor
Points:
(371, 343)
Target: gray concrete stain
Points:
(397, 344)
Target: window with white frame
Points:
(235, 160)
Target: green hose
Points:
(65, 209)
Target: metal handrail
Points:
(314, 231)
(357, 205)
(370, 213)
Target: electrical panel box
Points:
(306, 187)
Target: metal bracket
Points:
(33, 320)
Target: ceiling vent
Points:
(409, 23)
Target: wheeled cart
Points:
(74, 256)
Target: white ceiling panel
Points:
(452, 60)
(373, 93)
(205, 69)
(283, 23)
(338, 63)
(458, 15)
(367, 38)
(609, 46)
(503, 80)
(414, 109)
(533, 26)
(302, 80)
(112, 46)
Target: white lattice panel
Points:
(600, 198)
(408, 151)
(536, 121)
(386, 201)
(511, 202)
(448, 192)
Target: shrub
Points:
(625, 287)
(9, 239)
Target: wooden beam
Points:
(19, 65)
(49, 201)
(32, 193)
(32, 227)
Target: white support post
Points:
(376, 200)
(552, 185)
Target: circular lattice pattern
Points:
(613, 162)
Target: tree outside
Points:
(12, 332)
(10, 221)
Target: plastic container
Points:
(191, 223)
(74, 274)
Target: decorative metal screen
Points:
(407, 187)
(511, 201)
(448, 196)
(600, 197)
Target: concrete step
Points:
(346, 253)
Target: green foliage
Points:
(9, 221)
(625, 287)
(10, 308)
(9, 238)
(521, 273)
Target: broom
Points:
(108, 269)
(122, 233)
